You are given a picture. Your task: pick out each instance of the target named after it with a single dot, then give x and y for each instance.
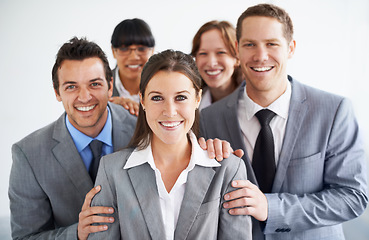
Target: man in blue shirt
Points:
(50, 188)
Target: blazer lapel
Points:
(68, 157)
(144, 184)
(121, 134)
(298, 109)
(197, 185)
(233, 125)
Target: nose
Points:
(261, 54)
(212, 60)
(84, 95)
(170, 109)
(133, 53)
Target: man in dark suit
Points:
(51, 180)
(317, 168)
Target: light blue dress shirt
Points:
(82, 141)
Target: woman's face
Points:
(131, 60)
(170, 103)
(214, 61)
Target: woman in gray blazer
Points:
(164, 186)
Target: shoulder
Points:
(232, 165)
(314, 95)
(116, 160)
(228, 102)
(120, 113)
(42, 137)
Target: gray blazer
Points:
(321, 174)
(134, 196)
(49, 181)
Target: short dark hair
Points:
(170, 61)
(267, 10)
(79, 49)
(132, 31)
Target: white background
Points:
(332, 50)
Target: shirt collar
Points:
(81, 140)
(198, 157)
(280, 106)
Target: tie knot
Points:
(265, 116)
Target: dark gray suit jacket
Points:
(133, 194)
(321, 174)
(49, 181)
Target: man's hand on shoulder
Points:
(88, 216)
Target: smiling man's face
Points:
(84, 92)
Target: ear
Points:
(291, 48)
(198, 99)
(110, 92)
(237, 50)
(141, 101)
(57, 96)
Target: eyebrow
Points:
(73, 82)
(180, 92)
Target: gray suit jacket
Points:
(115, 90)
(49, 181)
(134, 196)
(321, 174)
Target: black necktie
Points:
(96, 147)
(263, 161)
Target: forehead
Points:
(81, 70)
(169, 82)
(260, 28)
(211, 37)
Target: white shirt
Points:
(250, 125)
(206, 99)
(170, 203)
(121, 90)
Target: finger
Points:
(89, 196)
(226, 146)
(97, 219)
(202, 143)
(239, 153)
(243, 184)
(240, 202)
(241, 211)
(94, 229)
(210, 148)
(241, 192)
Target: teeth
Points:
(261, 69)
(213, 72)
(85, 109)
(170, 124)
(134, 66)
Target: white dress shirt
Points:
(121, 90)
(250, 125)
(205, 98)
(170, 203)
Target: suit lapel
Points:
(231, 120)
(144, 184)
(68, 157)
(296, 115)
(121, 134)
(197, 185)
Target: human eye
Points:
(272, 44)
(156, 98)
(123, 49)
(95, 84)
(248, 44)
(202, 54)
(221, 52)
(181, 98)
(142, 49)
(70, 87)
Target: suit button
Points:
(288, 230)
(278, 230)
